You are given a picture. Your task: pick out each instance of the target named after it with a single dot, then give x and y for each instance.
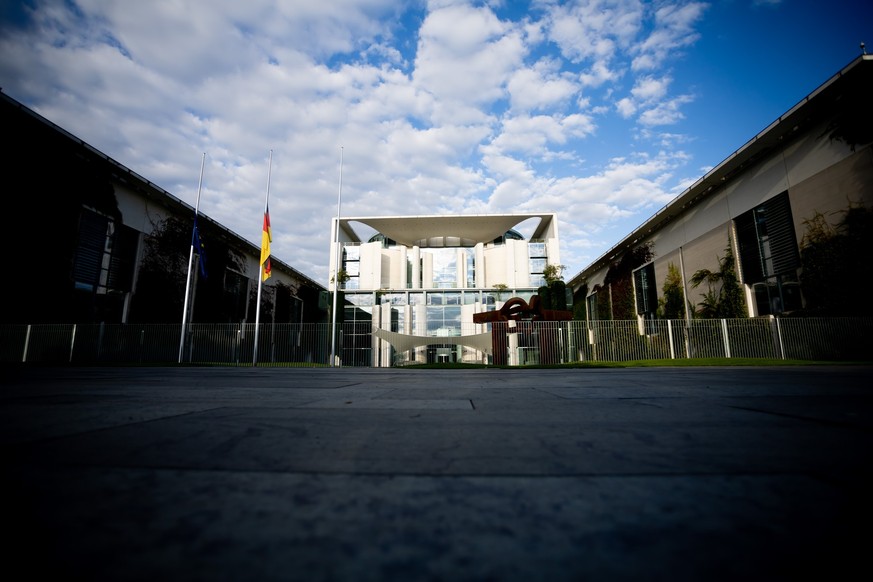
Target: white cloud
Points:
(626, 107)
(467, 113)
(595, 30)
(540, 87)
(674, 30)
(598, 74)
(665, 113)
(648, 89)
(465, 55)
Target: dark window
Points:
(769, 257)
(123, 258)
(766, 241)
(646, 292)
(236, 292)
(93, 231)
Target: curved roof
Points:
(453, 230)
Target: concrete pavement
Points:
(403, 474)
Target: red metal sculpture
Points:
(523, 315)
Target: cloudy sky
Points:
(601, 111)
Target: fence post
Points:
(72, 343)
(688, 339)
(238, 347)
(670, 339)
(780, 347)
(591, 342)
(727, 344)
(26, 344)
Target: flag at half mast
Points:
(266, 239)
(199, 248)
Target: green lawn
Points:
(679, 362)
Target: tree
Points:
(834, 280)
(579, 303)
(852, 123)
(553, 295)
(672, 304)
(160, 291)
(724, 295)
(342, 276)
(552, 273)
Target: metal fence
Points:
(830, 339)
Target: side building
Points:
(89, 241)
(409, 291)
(763, 218)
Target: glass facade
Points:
(433, 313)
(432, 288)
(352, 266)
(445, 267)
(538, 259)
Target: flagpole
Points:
(191, 260)
(337, 264)
(261, 267)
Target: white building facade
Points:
(409, 291)
(758, 203)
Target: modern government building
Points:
(814, 160)
(95, 238)
(96, 242)
(424, 277)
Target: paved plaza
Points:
(732, 473)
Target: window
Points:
(766, 240)
(445, 267)
(443, 320)
(235, 294)
(645, 290)
(769, 257)
(393, 298)
(777, 295)
(591, 301)
(105, 255)
(351, 262)
(95, 236)
(471, 267)
(536, 251)
(471, 297)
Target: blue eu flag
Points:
(198, 247)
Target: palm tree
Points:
(724, 297)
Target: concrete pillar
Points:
(479, 265)
(416, 268)
(427, 271)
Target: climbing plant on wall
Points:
(724, 295)
(671, 304)
(619, 277)
(834, 279)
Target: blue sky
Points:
(600, 111)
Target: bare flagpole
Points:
(261, 266)
(337, 264)
(191, 261)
